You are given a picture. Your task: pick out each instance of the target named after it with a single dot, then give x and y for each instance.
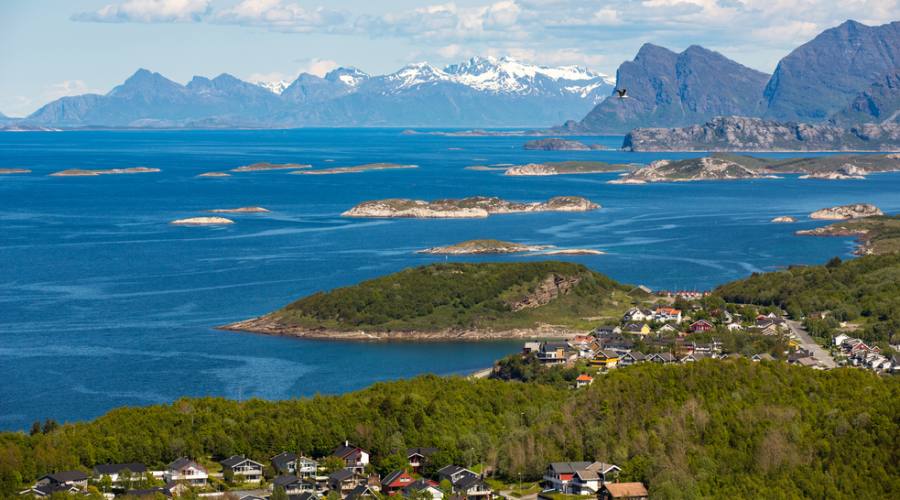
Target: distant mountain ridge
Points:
(478, 92)
(673, 89)
(848, 75)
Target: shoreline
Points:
(263, 326)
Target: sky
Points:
(54, 48)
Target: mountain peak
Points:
(347, 75)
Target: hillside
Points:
(865, 291)
(822, 76)
(711, 429)
(452, 301)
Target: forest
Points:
(865, 291)
(714, 428)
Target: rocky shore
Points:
(267, 325)
(215, 174)
(566, 168)
(11, 171)
(78, 172)
(843, 212)
(709, 168)
(240, 210)
(845, 172)
(465, 208)
(475, 247)
(784, 219)
(557, 144)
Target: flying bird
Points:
(622, 93)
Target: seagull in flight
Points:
(622, 93)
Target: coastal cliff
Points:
(473, 207)
(735, 133)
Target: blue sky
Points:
(53, 48)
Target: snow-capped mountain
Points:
(480, 92)
(275, 87)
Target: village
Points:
(697, 330)
(293, 476)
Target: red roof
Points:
(584, 378)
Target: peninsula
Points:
(264, 166)
(567, 168)
(356, 169)
(453, 302)
(78, 172)
(879, 234)
(473, 207)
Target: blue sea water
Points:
(103, 303)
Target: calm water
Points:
(103, 303)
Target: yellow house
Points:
(606, 359)
(636, 329)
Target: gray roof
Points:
(66, 476)
(286, 480)
(362, 489)
(467, 481)
(341, 475)
(425, 452)
(236, 460)
(180, 463)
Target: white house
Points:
(185, 470)
(243, 469)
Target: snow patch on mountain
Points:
(275, 87)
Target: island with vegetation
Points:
(79, 172)
(567, 168)
(266, 166)
(472, 207)
(557, 144)
(202, 221)
(720, 166)
(479, 247)
(368, 167)
(454, 301)
(879, 234)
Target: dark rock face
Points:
(556, 144)
(735, 133)
(879, 103)
(824, 75)
(669, 89)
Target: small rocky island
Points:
(356, 169)
(202, 221)
(557, 144)
(784, 219)
(239, 210)
(265, 166)
(215, 174)
(11, 171)
(736, 133)
(463, 302)
(465, 208)
(844, 212)
(567, 168)
(875, 235)
(78, 172)
(720, 166)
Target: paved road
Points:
(807, 342)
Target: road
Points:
(807, 342)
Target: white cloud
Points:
(278, 15)
(148, 11)
(319, 67)
(67, 88)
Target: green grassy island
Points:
(454, 301)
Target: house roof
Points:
(362, 489)
(302, 496)
(584, 377)
(110, 469)
(341, 475)
(568, 467)
(345, 450)
(467, 481)
(421, 451)
(235, 460)
(66, 476)
(419, 485)
(603, 467)
(450, 470)
(150, 492)
(635, 355)
(395, 476)
(625, 490)
(286, 480)
(181, 463)
(49, 489)
(587, 475)
(281, 460)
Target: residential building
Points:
(66, 478)
(630, 358)
(606, 358)
(343, 481)
(578, 478)
(243, 469)
(362, 490)
(700, 326)
(424, 487)
(396, 481)
(583, 380)
(185, 470)
(355, 457)
(418, 458)
(293, 485)
(666, 314)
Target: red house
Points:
(701, 326)
(395, 482)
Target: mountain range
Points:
(846, 75)
(478, 92)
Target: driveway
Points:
(807, 342)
